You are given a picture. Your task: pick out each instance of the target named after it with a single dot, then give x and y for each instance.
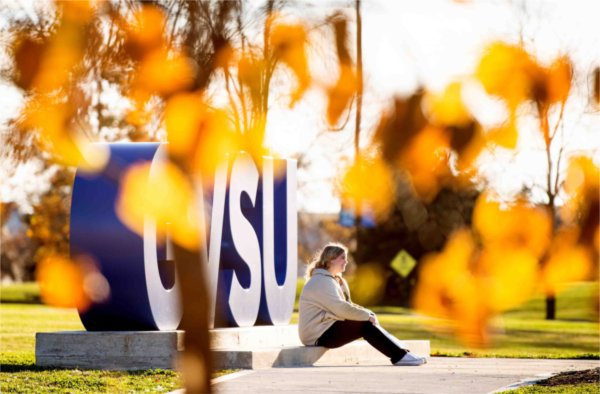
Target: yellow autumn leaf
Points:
(441, 272)
(164, 72)
(507, 71)
(506, 135)
(507, 277)
(448, 289)
(216, 139)
(200, 135)
(582, 186)
(162, 194)
(62, 283)
(59, 60)
(559, 80)
(448, 108)
(28, 54)
(469, 154)
(80, 11)
(341, 93)
(426, 161)
(567, 262)
(51, 121)
(183, 117)
(289, 44)
(370, 182)
(511, 226)
(368, 284)
(145, 32)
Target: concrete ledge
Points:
(355, 353)
(112, 350)
(246, 348)
(255, 337)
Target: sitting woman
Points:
(329, 318)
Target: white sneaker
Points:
(411, 359)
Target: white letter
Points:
(244, 303)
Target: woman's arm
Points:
(330, 299)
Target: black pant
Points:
(346, 331)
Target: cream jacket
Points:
(323, 302)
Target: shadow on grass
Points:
(27, 367)
(31, 367)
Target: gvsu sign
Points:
(250, 260)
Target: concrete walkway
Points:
(440, 375)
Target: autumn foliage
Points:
(431, 139)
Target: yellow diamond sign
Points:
(403, 263)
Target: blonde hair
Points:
(329, 252)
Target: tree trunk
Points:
(196, 363)
(357, 123)
(359, 77)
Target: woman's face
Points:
(338, 264)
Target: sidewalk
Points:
(440, 375)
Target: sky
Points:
(420, 43)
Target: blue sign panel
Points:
(250, 258)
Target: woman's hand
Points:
(373, 320)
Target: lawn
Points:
(18, 373)
(520, 333)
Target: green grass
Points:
(586, 388)
(19, 374)
(27, 293)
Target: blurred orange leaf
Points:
(368, 181)
(567, 262)
(204, 136)
(508, 276)
(183, 117)
(289, 42)
(559, 80)
(582, 186)
(507, 71)
(368, 284)
(448, 107)
(472, 142)
(28, 57)
(341, 93)
(145, 33)
(448, 289)
(506, 135)
(216, 139)
(62, 283)
(510, 228)
(426, 161)
(51, 119)
(165, 72)
(80, 11)
(163, 194)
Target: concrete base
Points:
(355, 353)
(112, 350)
(247, 348)
(254, 337)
